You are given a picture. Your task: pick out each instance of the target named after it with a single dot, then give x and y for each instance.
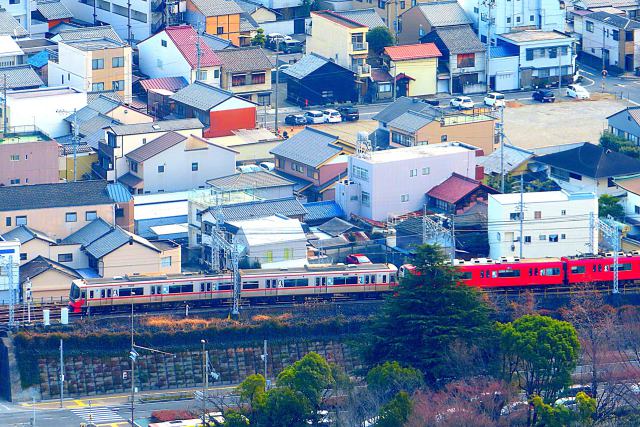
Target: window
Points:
(443, 138)
(97, 87)
(269, 256)
(238, 80)
(288, 253)
(553, 52)
(575, 176)
(616, 35)
(117, 61)
(7, 221)
(518, 19)
(508, 20)
(628, 36)
(476, 10)
(90, 215)
(563, 212)
(97, 64)
(220, 30)
(161, 169)
(532, 18)
(384, 87)
(382, 4)
(466, 60)
(163, 43)
(636, 210)
(542, 237)
(202, 75)
(360, 173)
(117, 85)
(527, 239)
(194, 167)
(498, 237)
(413, 172)
(264, 98)
(529, 54)
(366, 199)
(14, 1)
(610, 182)
(553, 238)
(549, 271)
(133, 166)
(590, 26)
(165, 262)
(404, 198)
(296, 167)
(15, 157)
(402, 139)
(508, 273)
(23, 256)
(21, 220)
(65, 257)
(70, 217)
(257, 78)
(563, 237)
(14, 181)
(560, 174)
(537, 215)
(514, 216)
(402, 4)
(577, 269)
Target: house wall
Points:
(480, 134)
(534, 65)
(423, 71)
(332, 40)
(586, 184)
(32, 249)
(248, 89)
(506, 73)
(625, 126)
(79, 258)
(330, 170)
(273, 252)
(51, 221)
(110, 74)
(414, 26)
(223, 122)
(83, 165)
(134, 258)
(71, 69)
(51, 284)
(9, 252)
(128, 116)
(37, 164)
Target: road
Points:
(626, 87)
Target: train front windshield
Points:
(75, 292)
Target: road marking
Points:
(97, 415)
(80, 403)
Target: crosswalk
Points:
(98, 415)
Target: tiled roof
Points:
(168, 83)
(217, 7)
(504, 50)
(160, 126)
(444, 13)
(119, 193)
(367, 17)
(215, 42)
(251, 180)
(338, 19)
(63, 194)
(289, 206)
(534, 36)
(66, 146)
(185, 37)
(412, 51)
(10, 25)
(25, 234)
(614, 20)
(457, 39)
(411, 121)
(336, 226)
(247, 23)
(380, 75)
(20, 77)
(89, 33)
(129, 179)
(399, 107)
(201, 96)
(322, 211)
(155, 146)
(53, 9)
(513, 157)
(310, 147)
(454, 188)
(307, 65)
(39, 60)
(89, 233)
(112, 240)
(92, 96)
(244, 59)
(40, 264)
(592, 161)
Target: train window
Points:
(83, 294)
(374, 279)
(482, 274)
(549, 271)
(174, 289)
(509, 273)
(494, 274)
(348, 280)
(624, 267)
(125, 292)
(291, 283)
(102, 293)
(137, 291)
(384, 278)
(203, 287)
(599, 267)
(531, 272)
(593, 268)
(225, 286)
(392, 278)
(187, 288)
(108, 293)
(535, 271)
(252, 284)
(361, 280)
(90, 294)
(577, 269)
(466, 275)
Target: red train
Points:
(515, 272)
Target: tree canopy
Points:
(259, 39)
(379, 38)
(609, 141)
(282, 407)
(396, 412)
(309, 376)
(608, 205)
(388, 379)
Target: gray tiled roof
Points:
(62, 194)
(25, 234)
(247, 23)
(336, 226)
(217, 7)
(215, 42)
(10, 25)
(40, 264)
(411, 121)
(310, 147)
(319, 211)
(53, 9)
(457, 39)
(89, 233)
(289, 206)
(161, 126)
(244, 59)
(614, 20)
(513, 157)
(107, 243)
(399, 107)
(20, 77)
(442, 14)
(368, 17)
(155, 146)
(307, 65)
(88, 33)
(201, 96)
(251, 180)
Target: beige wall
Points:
(479, 134)
(51, 221)
(109, 74)
(263, 15)
(37, 247)
(423, 71)
(34, 248)
(128, 116)
(51, 284)
(137, 258)
(411, 22)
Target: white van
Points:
(314, 117)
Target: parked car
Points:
(268, 166)
(358, 259)
(462, 102)
(295, 120)
(314, 117)
(349, 114)
(331, 116)
(578, 92)
(291, 46)
(274, 39)
(494, 99)
(434, 102)
(249, 168)
(544, 95)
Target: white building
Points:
(20, 10)
(554, 224)
(272, 242)
(9, 265)
(514, 15)
(615, 37)
(394, 182)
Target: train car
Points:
(259, 285)
(512, 272)
(598, 269)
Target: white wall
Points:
(592, 41)
(159, 61)
(506, 71)
(71, 69)
(9, 252)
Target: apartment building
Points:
(28, 158)
(247, 73)
(611, 40)
(222, 18)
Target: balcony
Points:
(359, 47)
(362, 70)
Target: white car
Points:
(332, 116)
(578, 92)
(495, 100)
(268, 166)
(462, 102)
(314, 117)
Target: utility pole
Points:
(198, 52)
(559, 68)
(61, 373)
(75, 144)
(133, 355)
(604, 68)
(95, 13)
(6, 264)
(396, 24)
(128, 21)
(264, 356)
(489, 4)
(28, 298)
(205, 380)
(521, 212)
(5, 116)
(277, 85)
(502, 150)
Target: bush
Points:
(164, 415)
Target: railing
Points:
(357, 46)
(53, 55)
(361, 69)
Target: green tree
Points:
(396, 412)
(586, 408)
(259, 39)
(235, 419)
(612, 142)
(551, 416)
(608, 205)
(390, 378)
(540, 353)
(250, 389)
(426, 315)
(282, 407)
(379, 38)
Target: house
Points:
(463, 62)
(315, 157)
(504, 16)
(60, 209)
(146, 16)
(259, 12)
(265, 185)
(315, 80)
(49, 280)
(28, 157)
(92, 60)
(504, 67)
(589, 167)
(223, 18)
(457, 194)
(381, 87)
(159, 91)
(422, 18)
(20, 77)
(414, 67)
(247, 73)
(119, 140)
(626, 124)
(10, 52)
(253, 145)
(510, 159)
(13, 12)
(542, 54)
(176, 162)
(173, 52)
(219, 110)
(9, 254)
(284, 246)
(627, 7)
(321, 212)
(388, 183)
(32, 243)
(613, 37)
(53, 12)
(553, 224)
(388, 10)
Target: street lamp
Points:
(205, 381)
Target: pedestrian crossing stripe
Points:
(98, 414)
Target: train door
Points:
(320, 285)
(155, 294)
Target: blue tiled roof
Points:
(310, 147)
(39, 60)
(504, 50)
(322, 211)
(89, 233)
(119, 193)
